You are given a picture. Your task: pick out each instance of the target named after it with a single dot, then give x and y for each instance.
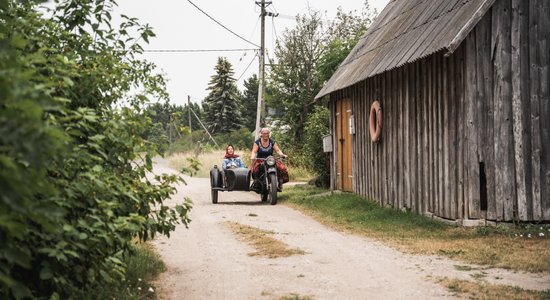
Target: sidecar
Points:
(237, 179)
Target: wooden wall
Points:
(465, 136)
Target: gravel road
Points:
(207, 261)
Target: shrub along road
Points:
(214, 259)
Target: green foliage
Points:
(306, 57)
(317, 127)
(294, 81)
(240, 139)
(249, 101)
(157, 136)
(222, 111)
(189, 141)
(289, 147)
(192, 166)
(143, 265)
(174, 121)
(343, 34)
(356, 212)
(73, 164)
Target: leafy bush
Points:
(73, 164)
(143, 266)
(317, 126)
(157, 136)
(240, 139)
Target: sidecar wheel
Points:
(215, 176)
(214, 196)
(273, 189)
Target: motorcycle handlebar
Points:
(276, 158)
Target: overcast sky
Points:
(181, 26)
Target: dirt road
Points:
(207, 261)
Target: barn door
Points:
(343, 136)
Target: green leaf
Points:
(46, 273)
(6, 280)
(55, 296)
(71, 253)
(68, 228)
(18, 256)
(20, 291)
(18, 41)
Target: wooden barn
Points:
(464, 110)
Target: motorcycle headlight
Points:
(270, 161)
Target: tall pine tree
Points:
(222, 110)
(250, 102)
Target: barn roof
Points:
(404, 32)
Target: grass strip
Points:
(483, 290)
(522, 247)
(143, 264)
(261, 240)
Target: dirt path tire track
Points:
(207, 261)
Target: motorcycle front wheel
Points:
(273, 188)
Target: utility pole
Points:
(189, 117)
(260, 111)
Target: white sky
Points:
(180, 26)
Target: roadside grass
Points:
(484, 290)
(525, 248)
(215, 157)
(143, 265)
(207, 160)
(262, 242)
(297, 173)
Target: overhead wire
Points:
(281, 15)
(249, 64)
(274, 33)
(222, 24)
(199, 50)
(251, 34)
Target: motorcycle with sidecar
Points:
(266, 182)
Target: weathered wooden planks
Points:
(465, 135)
(520, 79)
(544, 63)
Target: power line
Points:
(289, 17)
(253, 58)
(274, 31)
(200, 50)
(244, 53)
(222, 24)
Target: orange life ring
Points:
(375, 121)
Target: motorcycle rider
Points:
(264, 147)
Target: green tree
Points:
(294, 79)
(73, 163)
(157, 136)
(317, 126)
(305, 58)
(197, 109)
(343, 34)
(222, 111)
(169, 122)
(249, 101)
(159, 112)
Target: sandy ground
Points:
(207, 261)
